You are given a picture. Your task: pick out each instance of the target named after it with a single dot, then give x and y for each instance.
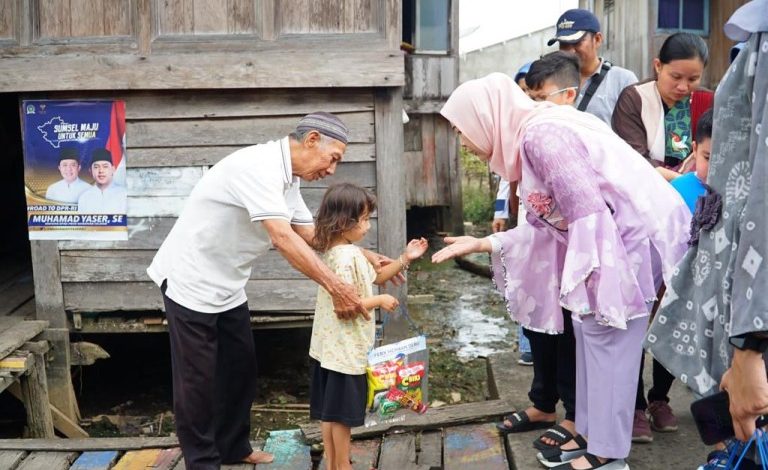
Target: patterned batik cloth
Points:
(720, 288)
(677, 128)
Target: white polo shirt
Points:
(208, 255)
(62, 191)
(111, 200)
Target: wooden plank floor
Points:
(453, 446)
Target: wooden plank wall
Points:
(173, 138)
(201, 44)
(432, 165)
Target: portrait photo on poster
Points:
(75, 169)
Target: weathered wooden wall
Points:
(172, 140)
(431, 158)
(632, 40)
(182, 44)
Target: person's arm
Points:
(627, 122)
(306, 232)
(668, 174)
(501, 207)
(378, 261)
(346, 301)
(385, 301)
(747, 387)
(460, 246)
(413, 251)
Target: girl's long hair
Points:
(340, 210)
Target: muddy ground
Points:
(130, 393)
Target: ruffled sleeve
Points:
(598, 275)
(526, 268)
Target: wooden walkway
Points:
(459, 437)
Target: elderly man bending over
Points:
(247, 202)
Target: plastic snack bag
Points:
(397, 380)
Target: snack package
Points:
(397, 380)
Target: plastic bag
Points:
(739, 451)
(397, 377)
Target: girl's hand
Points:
(460, 246)
(416, 248)
(389, 303)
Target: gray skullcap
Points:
(69, 153)
(101, 154)
(325, 123)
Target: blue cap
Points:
(573, 24)
(523, 71)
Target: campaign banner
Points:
(74, 169)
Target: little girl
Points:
(339, 348)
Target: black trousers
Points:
(214, 383)
(662, 383)
(554, 369)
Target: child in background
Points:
(690, 185)
(339, 348)
(554, 78)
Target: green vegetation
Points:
(478, 190)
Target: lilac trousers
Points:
(607, 366)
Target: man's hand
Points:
(499, 225)
(347, 303)
(378, 261)
(747, 388)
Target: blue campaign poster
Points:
(74, 169)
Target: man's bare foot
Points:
(258, 457)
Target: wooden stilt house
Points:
(200, 78)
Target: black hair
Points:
(704, 126)
(683, 46)
(559, 66)
(340, 210)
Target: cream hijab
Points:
(493, 112)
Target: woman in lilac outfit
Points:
(601, 222)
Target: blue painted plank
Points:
(102, 460)
(289, 449)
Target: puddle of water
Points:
(477, 334)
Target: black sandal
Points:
(522, 423)
(556, 457)
(557, 433)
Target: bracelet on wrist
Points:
(404, 264)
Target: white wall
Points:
(505, 57)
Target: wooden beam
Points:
(390, 185)
(61, 422)
(60, 389)
(88, 444)
(49, 298)
(433, 419)
(34, 392)
(15, 336)
(300, 68)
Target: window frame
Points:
(448, 27)
(701, 32)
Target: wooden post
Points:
(390, 188)
(49, 304)
(34, 392)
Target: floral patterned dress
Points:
(599, 216)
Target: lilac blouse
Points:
(598, 216)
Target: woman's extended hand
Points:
(460, 246)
